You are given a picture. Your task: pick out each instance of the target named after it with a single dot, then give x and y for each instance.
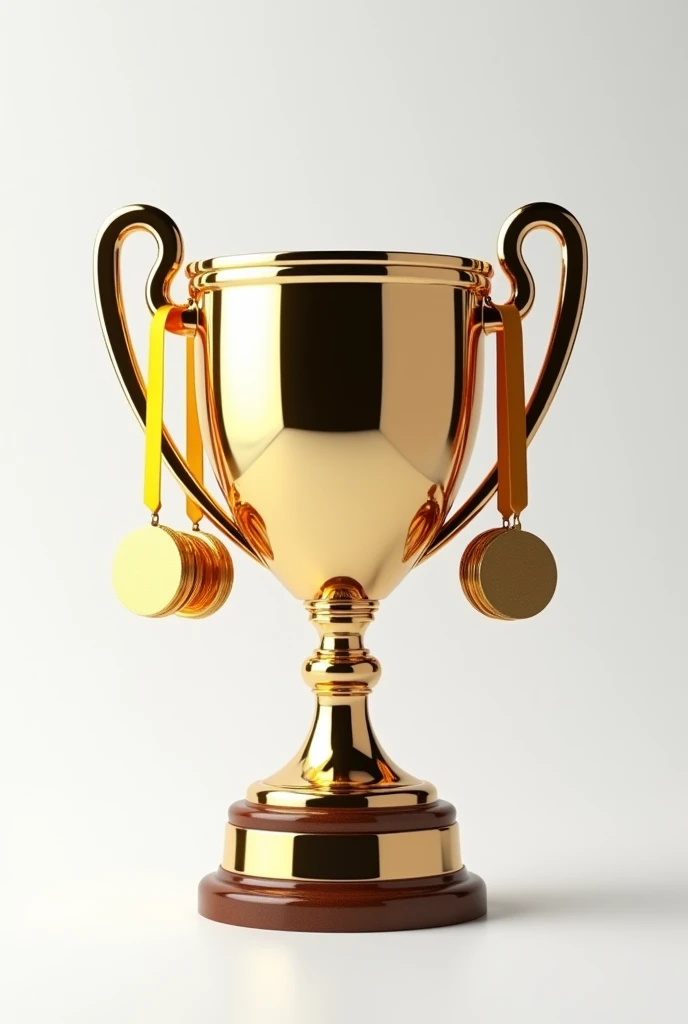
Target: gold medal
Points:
(223, 573)
(153, 571)
(215, 576)
(203, 572)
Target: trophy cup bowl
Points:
(338, 397)
(337, 391)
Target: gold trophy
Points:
(334, 395)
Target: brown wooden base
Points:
(342, 905)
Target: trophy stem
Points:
(342, 762)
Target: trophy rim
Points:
(339, 257)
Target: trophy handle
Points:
(574, 275)
(116, 331)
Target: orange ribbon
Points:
(512, 472)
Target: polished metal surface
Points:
(348, 857)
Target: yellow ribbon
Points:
(154, 422)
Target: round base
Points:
(307, 906)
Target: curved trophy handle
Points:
(567, 318)
(114, 324)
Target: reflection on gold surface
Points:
(423, 525)
(251, 524)
(341, 588)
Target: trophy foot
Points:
(334, 869)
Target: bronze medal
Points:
(514, 575)
(508, 573)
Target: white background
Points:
(400, 125)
